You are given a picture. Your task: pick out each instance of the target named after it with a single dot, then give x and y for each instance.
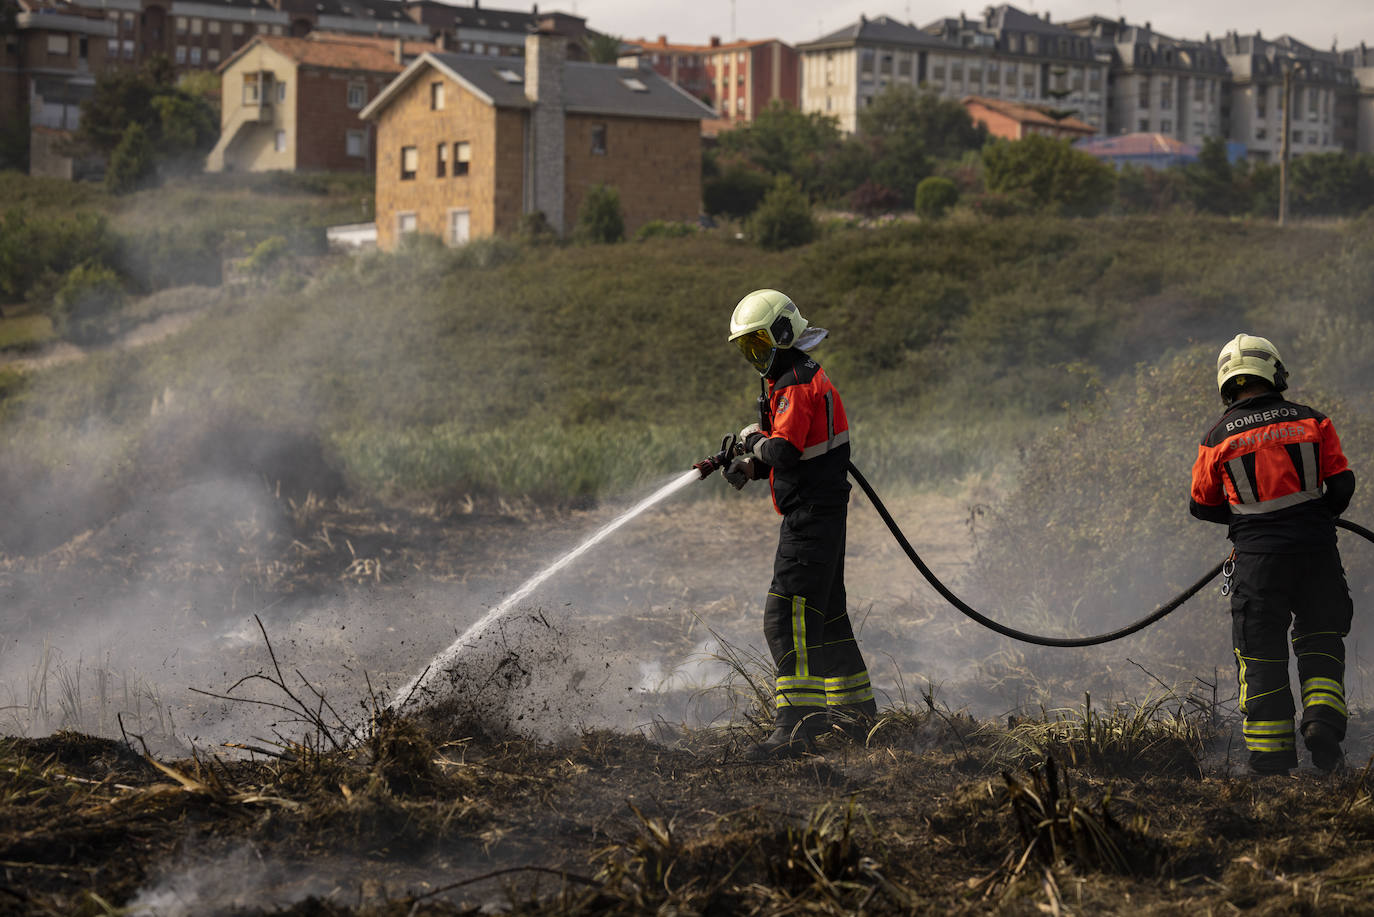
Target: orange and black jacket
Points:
(1274, 472)
(806, 443)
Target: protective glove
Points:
(744, 437)
(743, 469)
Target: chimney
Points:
(715, 41)
(663, 39)
(545, 55)
(535, 11)
(399, 51)
(1047, 15)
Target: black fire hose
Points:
(1037, 639)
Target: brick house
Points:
(466, 145)
(1012, 121)
(292, 103)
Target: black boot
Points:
(794, 732)
(1325, 745)
(854, 721)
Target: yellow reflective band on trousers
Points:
(1326, 691)
(801, 689)
(848, 689)
(1268, 735)
(1245, 696)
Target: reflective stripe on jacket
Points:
(1265, 460)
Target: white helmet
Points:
(1248, 356)
(763, 322)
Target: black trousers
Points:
(805, 622)
(1270, 592)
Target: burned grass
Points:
(419, 818)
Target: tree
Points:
(1209, 183)
(783, 141)
(602, 49)
(600, 220)
(1049, 173)
(736, 192)
(784, 218)
(133, 163)
(943, 128)
(1333, 184)
(179, 125)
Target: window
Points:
(599, 139)
(1032, 44)
(112, 47)
(126, 47)
(279, 142)
(405, 223)
(250, 89)
(1261, 133)
(281, 92)
(1297, 136)
(212, 55)
(59, 44)
(956, 72)
(181, 54)
(355, 144)
(441, 160)
(1262, 102)
(1095, 80)
(436, 96)
(410, 162)
(236, 28)
(212, 26)
(1313, 105)
(1143, 86)
(739, 105)
(182, 23)
(1143, 126)
(197, 25)
(1166, 93)
(128, 20)
(357, 95)
(937, 73)
(195, 56)
(459, 222)
(462, 155)
(1166, 126)
(1199, 90)
(1311, 136)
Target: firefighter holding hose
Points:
(1274, 473)
(801, 445)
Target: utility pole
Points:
(1284, 151)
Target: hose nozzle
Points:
(728, 449)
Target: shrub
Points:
(600, 220)
(1051, 172)
(265, 255)
(735, 193)
(87, 294)
(534, 229)
(33, 247)
(871, 199)
(784, 219)
(663, 229)
(133, 163)
(935, 196)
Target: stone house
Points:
(467, 145)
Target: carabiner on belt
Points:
(1228, 570)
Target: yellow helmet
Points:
(1248, 356)
(763, 322)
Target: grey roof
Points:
(587, 88)
(380, 10)
(601, 89)
(1008, 18)
(883, 29)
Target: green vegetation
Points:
(600, 220)
(935, 196)
(25, 332)
(1046, 174)
(513, 369)
(784, 218)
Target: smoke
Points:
(240, 880)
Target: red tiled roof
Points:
(698, 49)
(365, 54)
(1027, 114)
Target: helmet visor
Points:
(757, 348)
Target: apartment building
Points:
(1324, 88)
(843, 71)
(479, 29)
(1158, 84)
(1355, 118)
(739, 79)
(48, 65)
(1010, 54)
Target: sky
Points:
(1316, 22)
